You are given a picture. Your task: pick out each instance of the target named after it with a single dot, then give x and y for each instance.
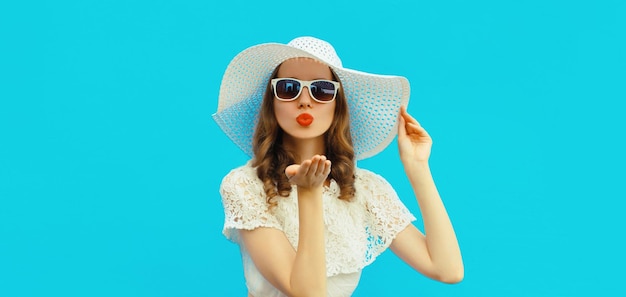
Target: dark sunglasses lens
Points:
(323, 90)
(287, 88)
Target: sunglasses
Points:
(321, 90)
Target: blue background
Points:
(110, 163)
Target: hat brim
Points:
(373, 100)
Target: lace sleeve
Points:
(244, 203)
(387, 214)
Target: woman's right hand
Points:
(301, 271)
(310, 174)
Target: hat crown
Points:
(318, 48)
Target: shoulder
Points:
(365, 173)
(242, 179)
(241, 173)
(370, 179)
(371, 187)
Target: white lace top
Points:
(356, 231)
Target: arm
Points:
(436, 254)
(301, 272)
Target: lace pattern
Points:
(244, 203)
(356, 231)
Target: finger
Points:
(321, 161)
(417, 126)
(419, 131)
(315, 161)
(327, 166)
(291, 170)
(305, 167)
(408, 118)
(413, 128)
(401, 126)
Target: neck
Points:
(304, 149)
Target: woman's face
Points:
(288, 113)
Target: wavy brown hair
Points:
(271, 159)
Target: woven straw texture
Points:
(373, 100)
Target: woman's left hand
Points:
(414, 142)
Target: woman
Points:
(307, 220)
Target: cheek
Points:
(330, 112)
(280, 113)
(277, 108)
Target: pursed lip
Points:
(304, 119)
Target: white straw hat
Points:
(373, 100)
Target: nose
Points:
(304, 100)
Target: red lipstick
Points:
(304, 119)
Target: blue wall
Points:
(110, 163)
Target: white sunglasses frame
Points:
(307, 84)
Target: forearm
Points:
(441, 239)
(309, 269)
